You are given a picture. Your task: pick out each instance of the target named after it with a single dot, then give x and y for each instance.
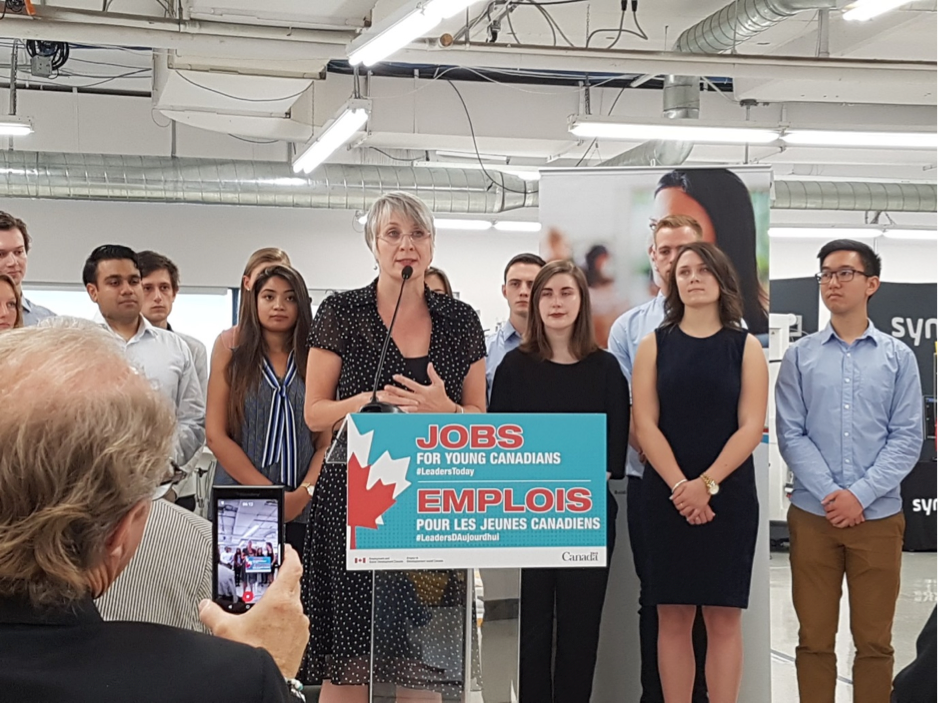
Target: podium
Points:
(443, 507)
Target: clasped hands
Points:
(843, 509)
(692, 500)
(417, 398)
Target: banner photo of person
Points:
(248, 548)
(604, 219)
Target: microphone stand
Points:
(376, 406)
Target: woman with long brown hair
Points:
(11, 304)
(559, 368)
(256, 390)
(700, 388)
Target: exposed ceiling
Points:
(275, 71)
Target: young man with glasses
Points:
(849, 421)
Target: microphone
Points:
(376, 406)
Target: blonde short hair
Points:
(397, 202)
(84, 438)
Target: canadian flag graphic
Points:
(372, 488)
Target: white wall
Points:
(904, 261)
(211, 243)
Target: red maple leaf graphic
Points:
(366, 505)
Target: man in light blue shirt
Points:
(670, 234)
(112, 279)
(519, 278)
(849, 422)
(160, 282)
(14, 252)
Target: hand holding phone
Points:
(277, 623)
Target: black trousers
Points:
(648, 614)
(558, 665)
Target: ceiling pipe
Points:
(120, 178)
(116, 177)
(856, 196)
(720, 32)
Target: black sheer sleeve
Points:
(330, 327)
(474, 338)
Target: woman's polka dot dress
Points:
(413, 641)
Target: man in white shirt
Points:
(160, 281)
(14, 252)
(112, 278)
(671, 233)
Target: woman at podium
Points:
(435, 364)
(559, 368)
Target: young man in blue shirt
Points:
(849, 422)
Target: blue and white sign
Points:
(444, 491)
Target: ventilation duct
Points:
(722, 31)
(225, 182)
(849, 195)
(355, 187)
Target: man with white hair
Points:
(85, 440)
(171, 571)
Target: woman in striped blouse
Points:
(256, 389)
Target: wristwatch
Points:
(310, 488)
(712, 487)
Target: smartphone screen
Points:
(248, 543)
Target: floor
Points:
(916, 601)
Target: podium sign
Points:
(448, 491)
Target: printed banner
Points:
(438, 491)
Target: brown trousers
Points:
(870, 555)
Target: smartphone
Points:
(247, 532)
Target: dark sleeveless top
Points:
(699, 381)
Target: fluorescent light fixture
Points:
(928, 235)
(336, 134)
(868, 9)
(824, 233)
(448, 224)
(401, 28)
(13, 126)
(850, 138)
(517, 226)
(589, 126)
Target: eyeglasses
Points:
(395, 237)
(843, 275)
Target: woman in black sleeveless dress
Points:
(435, 364)
(700, 388)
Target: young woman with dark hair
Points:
(559, 368)
(721, 203)
(256, 389)
(700, 388)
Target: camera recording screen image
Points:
(248, 550)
